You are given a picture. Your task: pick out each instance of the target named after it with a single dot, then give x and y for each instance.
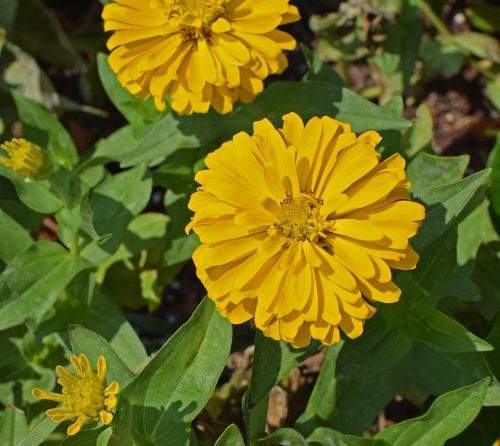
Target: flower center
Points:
(84, 396)
(194, 17)
(301, 219)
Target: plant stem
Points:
(435, 20)
(75, 246)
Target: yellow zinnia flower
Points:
(298, 224)
(25, 158)
(204, 52)
(85, 397)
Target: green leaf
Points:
(493, 91)
(483, 15)
(13, 426)
(255, 418)
(113, 148)
(471, 233)
(485, 275)
(482, 432)
(311, 98)
(137, 112)
(42, 128)
(436, 265)
(440, 59)
(435, 328)
(80, 305)
(463, 288)
(449, 415)
(230, 437)
(174, 387)
(321, 403)
(479, 44)
(350, 392)
(318, 69)
(285, 437)
(37, 195)
(493, 338)
(328, 437)
(19, 370)
(449, 370)
(379, 350)
(494, 164)
(359, 400)
(146, 231)
(93, 345)
(39, 434)
(9, 10)
(104, 436)
(428, 171)
(272, 361)
(84, 438)
(15, 239)
(419, 137)
(446, 204)
(115, 203)
(31, 283)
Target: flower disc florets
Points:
(301, 219)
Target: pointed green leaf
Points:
(231, 437)
(31, 283)
(449, 415)
(445, 204)
(272, 361)
(328, 437)
(13, 426)
(15, 239)
(177, 383)
(39, 434)
(427, 171)
(435, 328)
(285, 437)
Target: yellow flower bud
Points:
(24, 157)
(86, 397)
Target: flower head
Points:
(25, 158)
(85, 397)
(300, 227)
(203, 52)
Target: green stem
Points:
(435, 20)
(75, 245)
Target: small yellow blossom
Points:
(300, 227)
(25, 158)
(85, 397)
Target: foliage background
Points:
(100, 246)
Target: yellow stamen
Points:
(193, 16)
(301, 219)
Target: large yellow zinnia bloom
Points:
(298, 224)
(203, 52)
